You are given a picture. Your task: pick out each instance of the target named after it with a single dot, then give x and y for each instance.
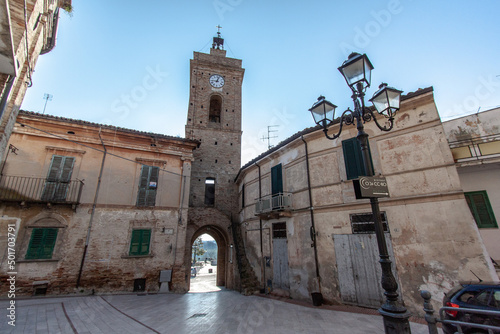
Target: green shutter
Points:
(353, 158)
(139, 243)
(480, 208)
(276, 179)
(42, 243)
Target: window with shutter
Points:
(148, 183)
(139, 243)
(42, 243)
(58, 178)
(353, 158)
(480, 207)
(276, 180)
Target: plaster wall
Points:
(435, 240)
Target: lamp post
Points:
(357, 73)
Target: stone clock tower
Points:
(214, 119)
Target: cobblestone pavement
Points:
(215, 312)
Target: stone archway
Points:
(221, 239)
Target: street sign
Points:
(370, 186)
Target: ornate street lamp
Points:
(357, 73)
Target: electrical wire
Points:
(94, 148)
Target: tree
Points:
(197, 249)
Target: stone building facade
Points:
(96, 208)
(214, 120)
(302, 190)
(28, 29)
(475, 144)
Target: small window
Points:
(139, 243)
(148, 183)
(42, 243)
(480, 207)
(210, 191)
(279, 231)
(353, 158)
(243, 196)
(363, 223)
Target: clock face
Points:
(216, 81)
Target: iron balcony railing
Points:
(476, 148)
(276, 202)
(39, 190)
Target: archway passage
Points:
(216, 240)
(204, 265)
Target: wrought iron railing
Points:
(39, 190)
(475, 148)
(276, 202)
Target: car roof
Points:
(480, 283)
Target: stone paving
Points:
(215, 312)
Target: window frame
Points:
(209, 199)
(139, 233)
(473, 208)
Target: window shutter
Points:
(152, 186)
(67, 169)
(55, 167)
(143, 183)
(353, 158)
(42, 243)
(480, 207)
(139, 243)
(276, 179)
(58, 178)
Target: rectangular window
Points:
(146, 196)
(362, 223)
(58, 178)
(279, 231)
(139, 243)
(276, 180)
(353, 158)
(42, 243)
(243, 196)
(210, 191)
(480, 207)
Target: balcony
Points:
(473, 149)
(274, 206)
(38, 190)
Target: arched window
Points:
(215, 109)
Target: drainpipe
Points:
(263, 262)
(93, 211)
(311, 211)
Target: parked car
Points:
(472, 295)
(193, 272)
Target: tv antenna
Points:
(47, 97)
(269, 131)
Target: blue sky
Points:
(126, 63)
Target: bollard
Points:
(429, 312)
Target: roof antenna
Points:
(480, 280)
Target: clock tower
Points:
(214, 119)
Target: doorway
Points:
(204, 260)
(281, 279)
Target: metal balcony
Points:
(39, 190)
(274, 206)
(477, 148)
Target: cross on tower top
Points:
(218, 41)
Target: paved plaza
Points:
(214, 312)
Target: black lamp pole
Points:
(386, 101)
